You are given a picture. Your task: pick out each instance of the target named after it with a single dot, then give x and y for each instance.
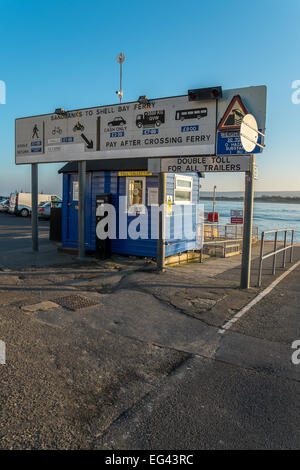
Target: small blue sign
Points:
(67, 139)
(190, 128)
(116, 134)
(150, 131)
(36, 143)
(229, 143)
(36, 149)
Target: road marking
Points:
(257, 299)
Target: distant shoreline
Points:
(273, 199)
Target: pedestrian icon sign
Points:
(35, 132)
(233, 116)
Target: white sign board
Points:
(202, 164)
(236, 212)
(152, 196)
(162, 127)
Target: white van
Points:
(20, 203)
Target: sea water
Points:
(266, 215)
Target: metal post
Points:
(161, 222)
(121, 94)
(214, 204)
(34, 205)
(81, 208)
(284, 251)
(292, 247)
(274, 257)
(261, 259)
(247, 231)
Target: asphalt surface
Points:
(16, 244)
(241, 392)
(15, 233)
(144, 366)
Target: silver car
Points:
(44, 210)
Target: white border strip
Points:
(260, 296)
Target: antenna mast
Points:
(120, 59)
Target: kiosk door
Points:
(102, 246)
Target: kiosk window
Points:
(75, 191)
(136, 188)
(183, 189)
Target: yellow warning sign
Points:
(233, 116)
(169, 205)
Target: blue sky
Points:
(63, 54)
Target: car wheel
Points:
(24, 213)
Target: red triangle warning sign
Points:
(234, 114)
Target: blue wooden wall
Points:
(110, 183)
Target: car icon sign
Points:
(117, 121)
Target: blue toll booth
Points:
(129, 178)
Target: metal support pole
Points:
(261, 259)
(81, 208)
(247, 231)
(284, 252)
(292, 247)
(274, 257)
(161, 222)
(121, 94)
(34, 205)
(214, 204)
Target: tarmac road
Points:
(145, 366)
(244, 395)
(15, 232)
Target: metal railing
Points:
(215, 231)
(275, 251)
(225, 238)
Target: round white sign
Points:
(249, 133)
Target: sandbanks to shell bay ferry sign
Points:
(162, 127)
(165, 127)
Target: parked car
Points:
(44, 210)
(20, 203)
(4, 205)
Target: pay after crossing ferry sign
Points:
(165, 127)
(159, 127)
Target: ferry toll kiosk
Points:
(84, 135)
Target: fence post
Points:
(284, 251)
(261, 258)
(292, 246)
(274, 258)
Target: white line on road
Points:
(260, 296)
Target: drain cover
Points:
(75, 302)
